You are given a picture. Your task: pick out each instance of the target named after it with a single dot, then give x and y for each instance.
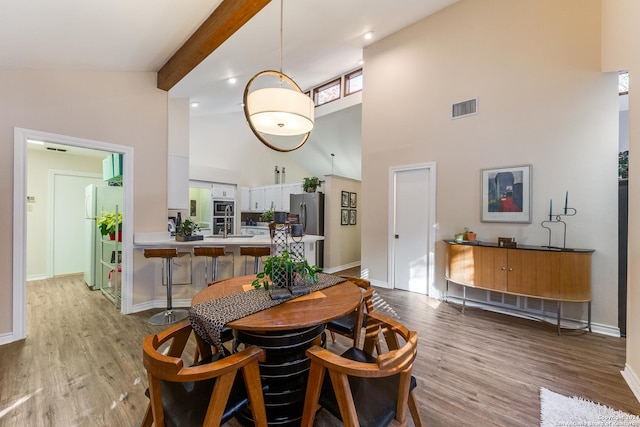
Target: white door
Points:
(412, 199)
(68, 222)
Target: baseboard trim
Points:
(8, 338)
(340, 267)
(37, 277)
(632, 380)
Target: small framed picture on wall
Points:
(352, 217)
(344, 217)
(353, 198)
(345, 199)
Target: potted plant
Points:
(283, 271)
(107, 225)
(267, 216)
(310, 184)
(184, 231)
(469, 235)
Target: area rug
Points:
(558, 410)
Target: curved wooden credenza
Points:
(557, 274)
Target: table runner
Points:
(209, 317)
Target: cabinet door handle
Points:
(503, 268)
(510, 269)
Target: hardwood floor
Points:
(81, 363)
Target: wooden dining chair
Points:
(206, 394)
(351, 325)
(363, 390)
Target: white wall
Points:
(119, 108)
(535, 67)
(342, 242)
(228, 152)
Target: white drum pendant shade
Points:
(280, 111)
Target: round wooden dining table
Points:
(285, 332)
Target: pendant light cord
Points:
(281, 25)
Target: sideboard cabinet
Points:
(562, 275)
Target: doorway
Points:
(412, 219)
(20, 204)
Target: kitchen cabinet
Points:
(288, 190)
(178, 182)
(245, 199)
(273, 197)
(224, 191)
(530, 271)
(257, 197)
(268, 197)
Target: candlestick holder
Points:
(557, 219)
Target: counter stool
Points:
(257, 252)
(212, 253)
(169, 315)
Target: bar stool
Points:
(255, 251)
(212, 253)
(169, 315)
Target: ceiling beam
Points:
(223, 22)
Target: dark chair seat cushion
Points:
(346, 325)
(186, 404)
(375, 398)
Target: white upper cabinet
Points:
(257, 199)
(224, 191)
(245, 199)
(178, 182)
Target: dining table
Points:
(285, 331)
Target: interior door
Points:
(69, 235)
(411, 257)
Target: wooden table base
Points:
(285, 371)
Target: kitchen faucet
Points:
(227, 214)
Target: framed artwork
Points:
(506, 194)
(352, 200)
(345, 199)
(344, 217)
(192, 208)
(352, 217)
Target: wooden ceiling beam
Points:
(223, 22)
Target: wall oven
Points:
(220, 208)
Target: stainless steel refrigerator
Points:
(310, 208)
(98, 199)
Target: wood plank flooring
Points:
(81, 363)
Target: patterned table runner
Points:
(209, 317)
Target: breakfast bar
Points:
(231, 243)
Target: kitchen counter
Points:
(150, 240)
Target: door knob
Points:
(397, 236)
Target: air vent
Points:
(56, 149)
(464, 108)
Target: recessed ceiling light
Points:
(368, 36)
(361, 62)
(35, 141)
(195, 104)
(233, 80)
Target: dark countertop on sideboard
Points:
(523, 247)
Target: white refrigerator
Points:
(97, 199)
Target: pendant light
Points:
(277, 113)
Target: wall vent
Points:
(63, 150)
(464, 108)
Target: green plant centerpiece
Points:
(107, 223)
(267, 216)
(285, 275)
(184, 231)
(310, 184)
